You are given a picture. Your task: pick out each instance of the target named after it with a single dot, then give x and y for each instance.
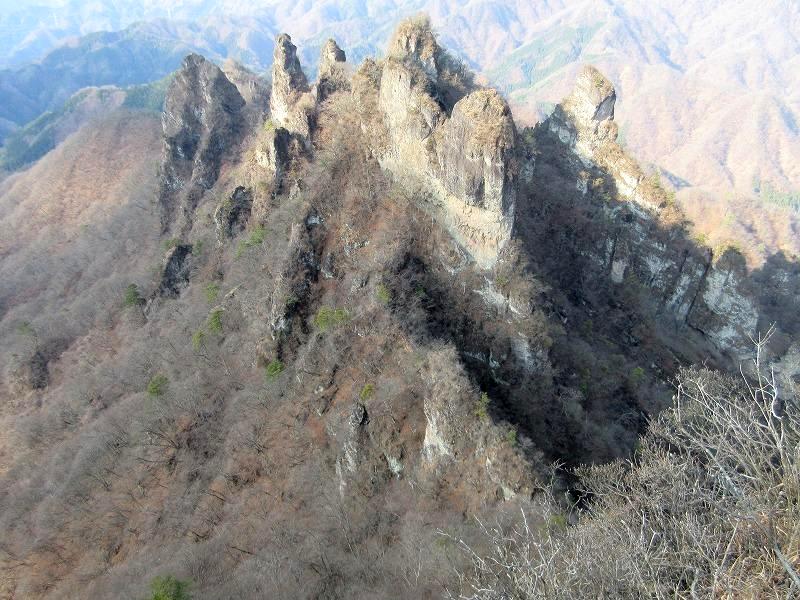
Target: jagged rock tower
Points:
(585, 121)
(458, 144)
(291, 102)
(705, 290)
(203, 124)
(332, 76)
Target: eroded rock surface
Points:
(231, 215)
(464, 159)
(332, 74)
(203, 125)
(175, 273)
(291, 101)
(637, 234)
(253, 88)
(275, 152)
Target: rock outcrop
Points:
(585, 122)
(464, 159)
(291, 101)
(253, 88)
(332, 76)
(638, 238)
(175, 272)
(232, 214)
(203, 125)
(726, 309)
(414, 39)
(275, 152)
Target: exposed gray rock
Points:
(232, 214)
(413, 40)
(354, 434)
(291, 102)
(175, 273)
(592, 100)
(636, 240)
(274, 153)
(253, 88)
(725, 310)
(465, 162)
(475, 151)
(332, 74)
(203, 124)
(585, 122)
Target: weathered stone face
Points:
(175, 273)
(413, 39)
(329, 58)
(273, 154)
(291, 104)
(712, 295)
(475, 151)
(726, 310)
(203, 124)
(332, 74)
(592, 99)
(232, 214)
(286, 64)
(253, 88)
(465, 160)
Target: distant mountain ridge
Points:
(707, 90)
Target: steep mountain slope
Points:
(315, 334)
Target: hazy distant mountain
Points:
(142, 53)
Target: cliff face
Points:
(203, 125)
(639, 237)
(291, 100)
(462, 154)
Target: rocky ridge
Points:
(462, 152)
(643, 236)
(454, 150)
(380, 314)
(291, 100)
(458, 146)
